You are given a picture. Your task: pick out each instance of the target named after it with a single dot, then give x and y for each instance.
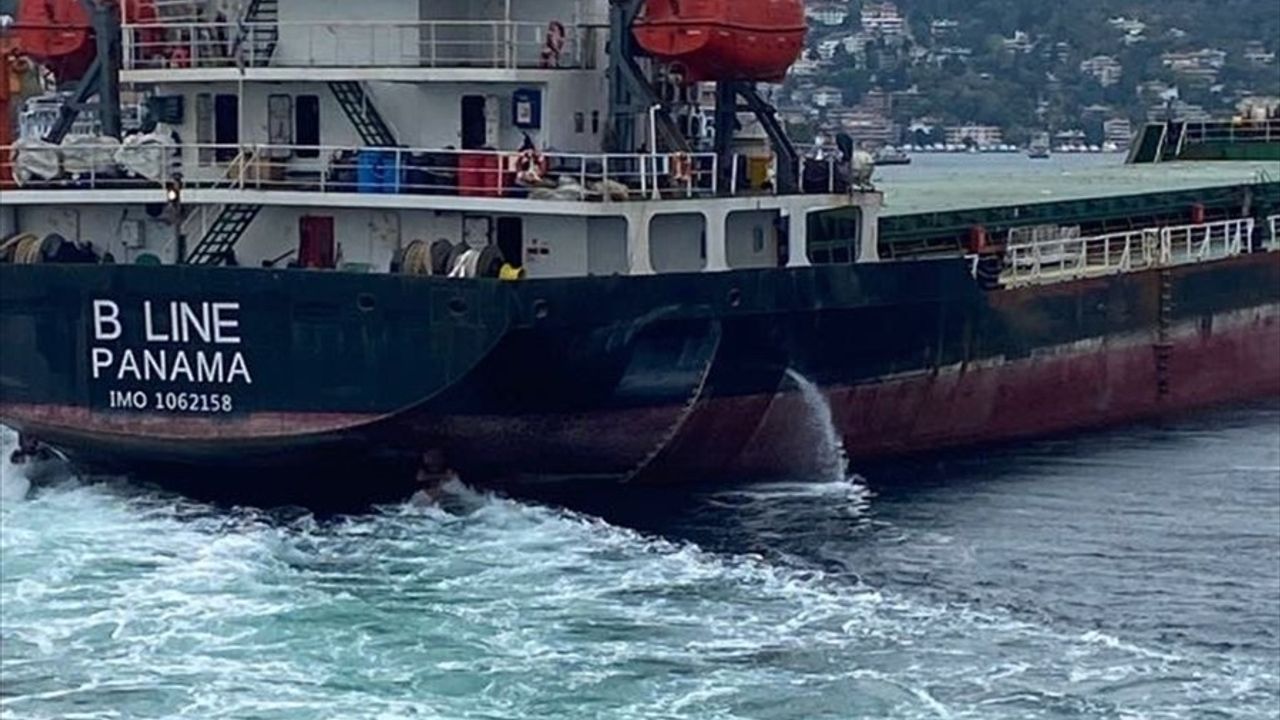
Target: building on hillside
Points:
(1257, 55)
(1117, 131)
(1103, 68)
(939, 56)
(827, 96)
(1132, 31)
(1020, 43)
(856, 44)
(830, 14)
(883, 19)
(867, 128)
(806, 66)
(982, 136)
(943, 29)
(827, 48)
(1207, 58)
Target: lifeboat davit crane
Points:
(734, 43)
(78, 41)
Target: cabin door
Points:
(474, 122)
(317, 247)
(511, 240)
(226, 126)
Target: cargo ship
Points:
(536, 239)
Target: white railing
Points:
(349, 169)
(1068, 258)
(1073, 257)
(1273, 242)
(1207, 241)
(351, 43)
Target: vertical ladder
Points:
(369, 124)
(1171, 147)
(223, 234)
(1164, 323)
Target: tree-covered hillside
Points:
(1031, 64)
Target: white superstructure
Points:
(370, 125)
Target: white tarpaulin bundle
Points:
(146, 155)
(36, 160)
(89, 155)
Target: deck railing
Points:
(1273, 241)
(1234, 131)
(493, 44)
(416, 171)
(1059, 259)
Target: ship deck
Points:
(943, 183)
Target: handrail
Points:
(1233, 131)
(418, 171)
(497, 44)
(1067, 258)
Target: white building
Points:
(883, 19)
(828, 14)
(1103, 68)
(981, 136)
(827, 96)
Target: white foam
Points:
(14, 483)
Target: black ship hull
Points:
(665, 378)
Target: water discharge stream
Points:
(833, 461)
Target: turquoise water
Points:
(1130, 574)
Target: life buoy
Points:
(553, 47)
(531, 167)
(681, 168)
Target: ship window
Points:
(204, 128)
(280, 120)
(833, 236)
(307, 125)
(579, 122)
(595, 122)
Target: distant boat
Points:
(890, 155)
(1039, 149)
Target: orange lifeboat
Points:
(756, 40)
(56, 33)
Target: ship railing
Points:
(1233, 131)
(1058, 259)
(348, 169)
(1206, 241)
(1073, 257)
(491, 44)
(1273, 241)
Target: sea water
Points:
(1129, 574)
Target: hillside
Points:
(1027, 65)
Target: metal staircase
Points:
(259, 34)
(216, 245)
(369, 123)
(220, 238)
